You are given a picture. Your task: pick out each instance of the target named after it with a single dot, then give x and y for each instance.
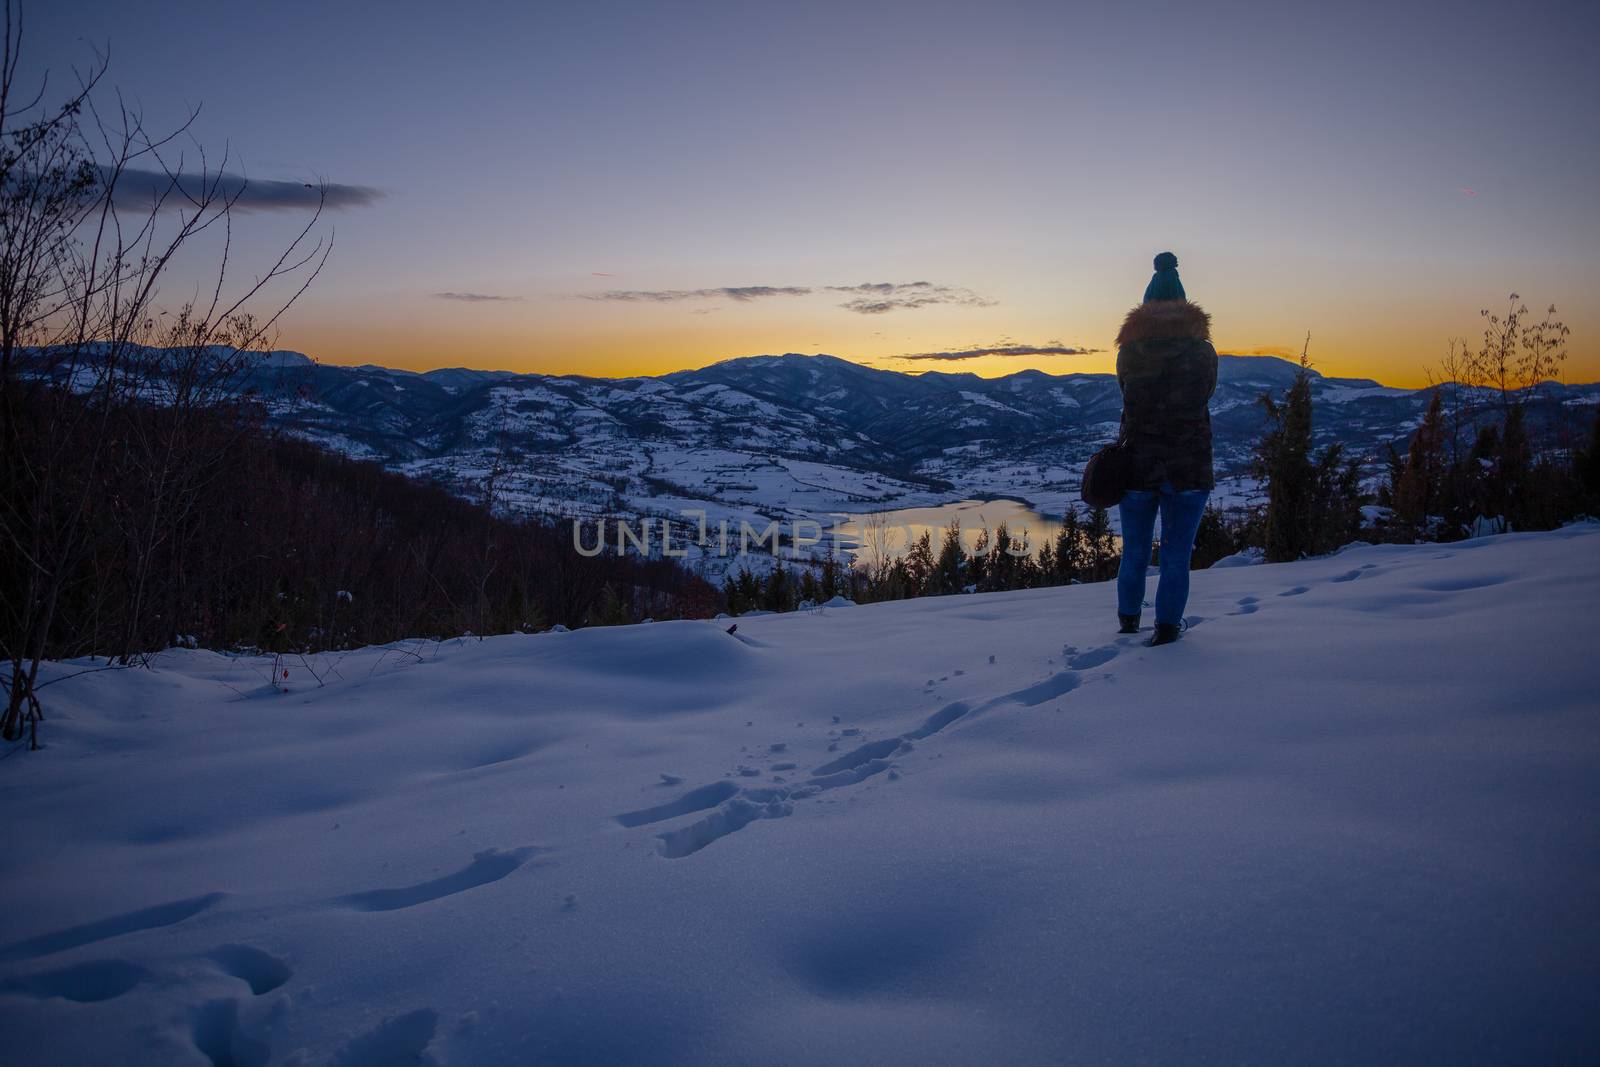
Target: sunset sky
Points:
(614, 188)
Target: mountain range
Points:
(786, 435)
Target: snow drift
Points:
(1350, 816)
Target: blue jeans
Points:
(1180, 519)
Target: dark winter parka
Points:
(1167, 370)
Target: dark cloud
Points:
(884, 288)
(1056, 349)
(879, 298)
(142, 188)
(870, 298)
(730, 292)
(474, 298)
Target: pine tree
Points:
(830, 579)
(1283, 461)
(919, 565)
(1071, 557)
(978, 564)
(951, 562)
(1336, 501)
(1513, 467)
(1394, 468)
(1419, 490)
(1002, 564)
(611, 611)
(1100, 546)
(775, 597)
(1047, 574)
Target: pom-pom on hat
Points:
(1165, 283)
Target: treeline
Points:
(1478, 462)
(1083, 550)
(199, 527)
(1485, 473)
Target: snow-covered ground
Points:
(1350, 817)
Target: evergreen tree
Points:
(952, 561)
(919, 565)
(1046, 566)
(776, 595)
(978, 564)
(1419, 490)
(1002, 563)
(611, 611)
(1283, 461)
(1101, 546)
(896, 582)
(1513, 467)
(1336, 501)
(1029, 574)
(1071, 556)
(743, 592)
(1393, 470)
(1480, 483)
(830, 579)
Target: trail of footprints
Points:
(216, 1027)
(217, 1030)
(731, 807)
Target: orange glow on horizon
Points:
(601, 356)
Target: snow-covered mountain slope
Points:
(1348, 818)
(793, 436)
(782, 438)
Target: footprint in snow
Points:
(488, 866)
(127, 923)
(83, 983)
(1247, 606)
(402, 1039)
(262, 971)
(1093, 658)
(706, 796)
(219, 1036)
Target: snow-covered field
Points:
(1350, 817)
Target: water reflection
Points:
(888, 534)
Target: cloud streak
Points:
(1005, 351)
(868, 298)
(880, 298)
(476, 298)
(144, 188)
(740, 293)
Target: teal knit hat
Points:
(1165, 285)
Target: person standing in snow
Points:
(1167, 370)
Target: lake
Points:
(891, 533)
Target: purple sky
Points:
(1310, 165)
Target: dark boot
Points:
(1130, 624)
(1166, 633)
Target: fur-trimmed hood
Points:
(1161, 319)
